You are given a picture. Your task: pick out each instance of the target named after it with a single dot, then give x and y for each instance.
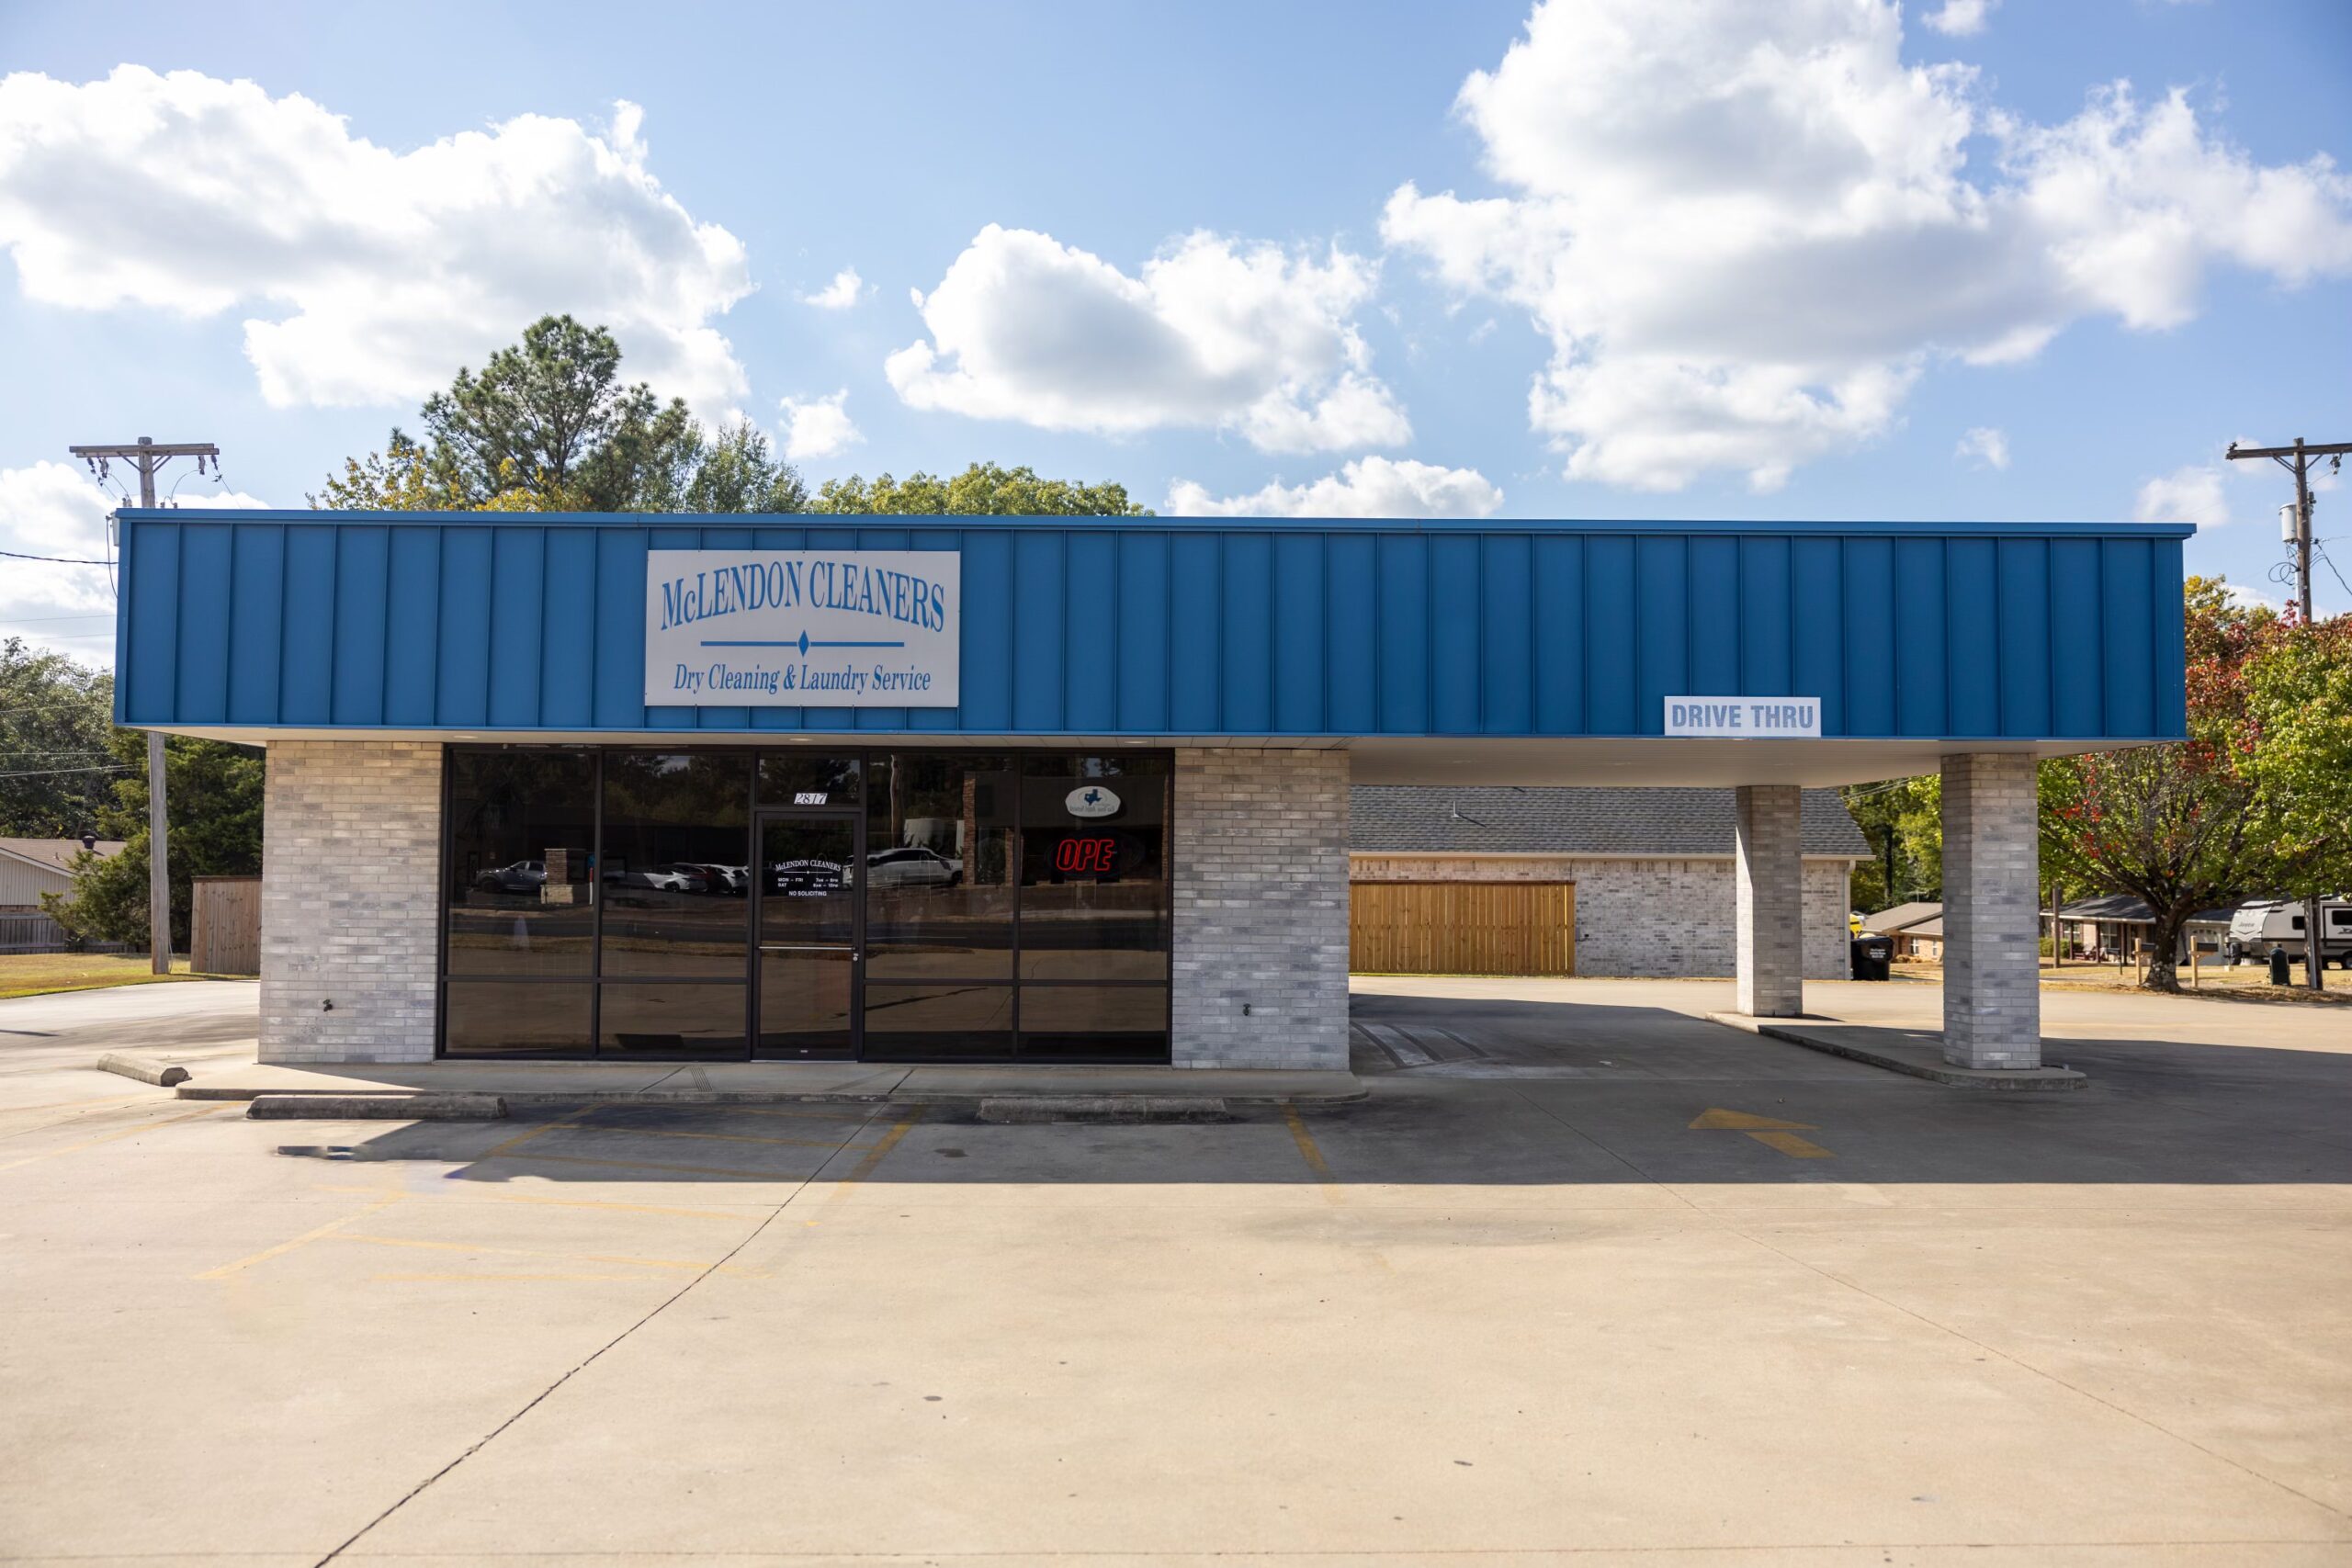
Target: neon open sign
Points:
(1095, 856)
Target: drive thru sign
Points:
(1752, 718)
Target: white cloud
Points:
(1962, 19)
(1213, 334)
(1748, 230)
(1985, 447)
(1367, 486)
(371, 275)
(56, 510)
(2191, 494)
(2252, 598)
(817, 427)
(844, 290)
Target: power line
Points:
(59, 561)
(58, 773)
(149, 458)
(2329, 560)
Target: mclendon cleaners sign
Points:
(802, 629)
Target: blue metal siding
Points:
(1172, 627)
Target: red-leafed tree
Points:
(2176, 827)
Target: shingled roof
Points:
(1416, 819)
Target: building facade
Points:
(1055, 789)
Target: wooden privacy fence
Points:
(225, 921)
(1463, 927)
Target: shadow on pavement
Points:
(1510, 1092)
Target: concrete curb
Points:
(1917, 1065)
(377, 1108)
(539, 1099)
(144, 1071)
(1014, 1110)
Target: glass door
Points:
(806, 965)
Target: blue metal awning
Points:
(1150, 627)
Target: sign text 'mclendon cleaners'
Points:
(802, 629)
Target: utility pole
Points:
(2297, 459)
(149, 458)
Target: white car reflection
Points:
(912, 866)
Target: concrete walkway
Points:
(764, 1083)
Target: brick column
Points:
(350, 901)
(1992, 928)
(1769, 902)
(1261, 863)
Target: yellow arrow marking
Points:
(1765, 1129)
(1741, 1122)
(1791, 1146)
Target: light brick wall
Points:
(1654, 919)
(1262, 908)
(1992, 928)
(1768, 908)
(350, 901)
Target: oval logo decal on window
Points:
(1091, 800)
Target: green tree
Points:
(984, 490)
(549, 425)
(55, 718)
(1903, 822)
(215, 790)
(2172, 826)
(2297, 752)
(738, 473)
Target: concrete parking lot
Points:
(1585, 1279)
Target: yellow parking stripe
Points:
(1313, 1155)
(691, 1265)
(283, 1248)
(114, 1136)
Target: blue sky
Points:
(1751, 261)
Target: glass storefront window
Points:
(601, 903)
(808, 778)
(676, 866)
(507, 1018)
(935, 1022)
(521, 826)
(1095, 1023)
(939, 893)
(1093, 868)
(637, 1019)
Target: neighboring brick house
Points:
(1916, 930)
(1652, 867)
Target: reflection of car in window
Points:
(522, 876)
(665, 878)
(912, 866)
(722, 879)
(804, 878)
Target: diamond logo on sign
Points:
(803, 628)
(1091, 800)
(1744, 718)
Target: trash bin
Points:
(1873, 957)
(2279, 974)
